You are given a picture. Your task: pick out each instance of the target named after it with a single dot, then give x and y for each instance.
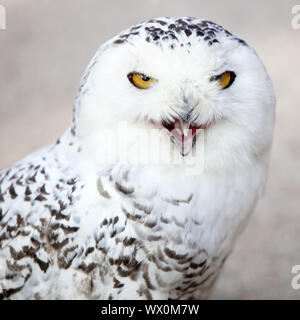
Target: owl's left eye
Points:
(140, 80)
(225, 79)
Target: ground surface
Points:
(47, 45)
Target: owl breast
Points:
(153, 245)
(118, 235)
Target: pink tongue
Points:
(183, 140)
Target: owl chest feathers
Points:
(164, 242)
(125, 232)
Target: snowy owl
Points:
(73, 226)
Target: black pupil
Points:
(145, 78)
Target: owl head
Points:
(179, 76)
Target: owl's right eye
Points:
(140, 80)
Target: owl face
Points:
(199, 77)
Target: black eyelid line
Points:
(130, 74)
(137, 72)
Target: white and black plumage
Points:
(74, 227)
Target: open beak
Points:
(183, 134)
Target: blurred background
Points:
(48, 43)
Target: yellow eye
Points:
(225, 79)
(140, 80)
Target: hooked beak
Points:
(183, 134)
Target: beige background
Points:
(45, 49)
